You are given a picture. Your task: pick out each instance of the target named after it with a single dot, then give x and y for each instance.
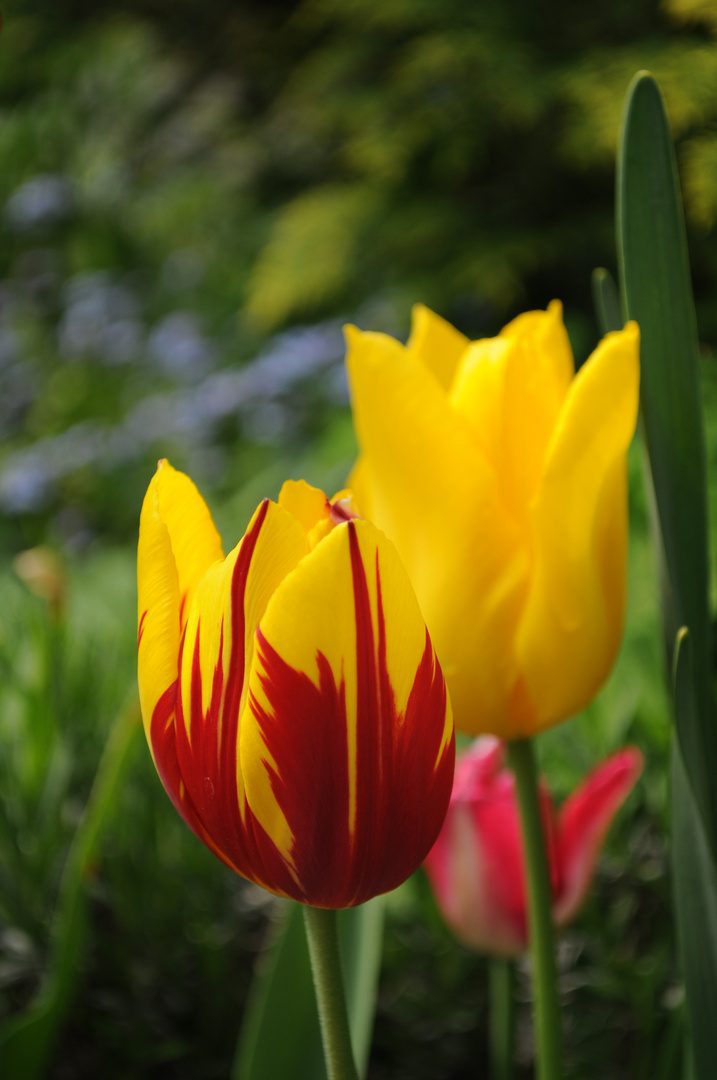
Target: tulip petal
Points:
(583, 822)
(476, 866)
(216, 654)
(308, 504)
(435, 343)
(158, 608)
(346, 744)
(544, 331)
(177, 543)
(196, 544)
(437, 498)
(570, 630)
(511, 389)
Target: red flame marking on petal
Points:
(199, 770)
(403, 778)
(140, 629)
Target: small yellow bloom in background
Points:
(291, 697)
(500, 476)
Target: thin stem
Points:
(501, 1018)
(322, 935)
(546, 1007)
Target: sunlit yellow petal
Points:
(511, 389)
(196, 544)
(436, 343)
(570, 630)
(437, 498)
(545, 330)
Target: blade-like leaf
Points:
(280, 1038)
(606, 301)
(657, 292)
(26, 1041)
(695, 881)
(361, 940)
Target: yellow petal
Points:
(545, 330)
(308, 504)
(570, 631)
(338, 653)
(436, 497)
(359, 483)
(158, 608)
(511, 390)
(435, 343)
(196, 544)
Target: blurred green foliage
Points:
(194, 195)
(182, 181)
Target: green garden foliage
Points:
(181, 181)
(192, 197)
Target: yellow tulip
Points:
(291, 697)
(500, 476)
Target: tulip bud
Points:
(500, 476)
(476, 866)
(291, 697)
(41, 570)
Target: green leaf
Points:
(657, 292)
(606, 301)
(280, 1037)
(26, 1041)
(695, 884)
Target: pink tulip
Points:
(476, 864)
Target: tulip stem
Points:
(323, 938)
(501, 1020)
(546, 1008)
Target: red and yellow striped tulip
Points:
(292, 700)
(500, 476)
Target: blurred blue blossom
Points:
(101, 319)
(180, 348)
(261, 394)
(44, 201)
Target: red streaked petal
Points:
(199, 751)
(347, 742)
(583, 823)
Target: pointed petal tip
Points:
(352, 334)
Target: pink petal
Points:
(476, 866)
(583, 823)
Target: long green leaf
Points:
(657, 292)
(26, 1041)
(695, 879)
(280, 1037)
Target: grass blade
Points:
(280, 1037)
(26, 1041)
(695, 879)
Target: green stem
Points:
(322, 935)
(501, 1019)
(546, 1008)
